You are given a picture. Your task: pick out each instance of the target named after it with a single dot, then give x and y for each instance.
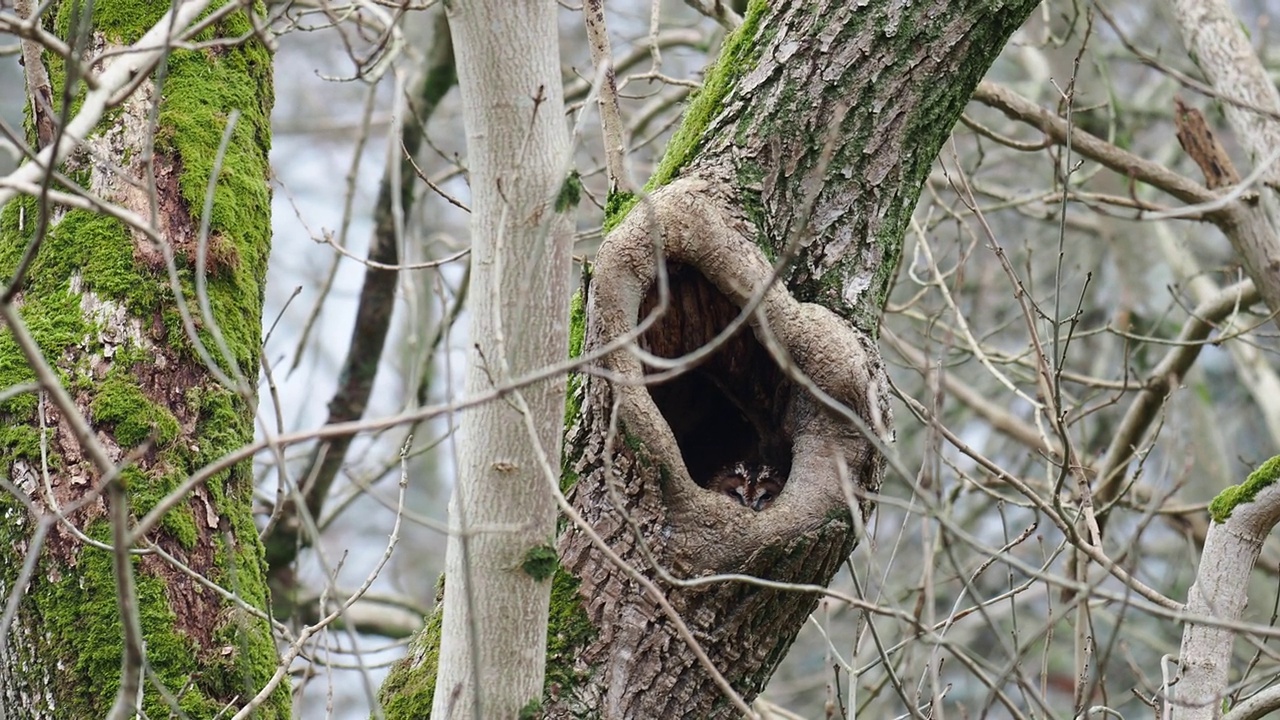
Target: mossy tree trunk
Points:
(805, 150)
(130, 406)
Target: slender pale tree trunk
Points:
(493, 638)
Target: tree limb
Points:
(1243, 517)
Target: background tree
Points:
(1076, 359)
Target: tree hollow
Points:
(724, 407)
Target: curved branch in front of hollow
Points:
(690, 222)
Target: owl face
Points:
(750, 484)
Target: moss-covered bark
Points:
(97, 299)
(410, 686)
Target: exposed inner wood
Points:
(729, 406)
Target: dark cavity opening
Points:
(729, 407)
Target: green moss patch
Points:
(409, 689)
(200, 91)
(577, 337)
(569, 630)
(540, 562)
(121, 404)
(616, 207)
(50, 310)
(20, 442)
(532, 710)
(737, 57)
(575, 389)
(1227, 500)
(95, 248)
(79, 617)
(570, 192)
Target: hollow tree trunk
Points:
(127, 395)
(807, 148)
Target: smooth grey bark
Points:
(492, 636)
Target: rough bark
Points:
(639, 667)
(493, 639)
(97, 302)
(807, 147)
(1216, 38)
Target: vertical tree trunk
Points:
(97, 303)
(807, 147)
(806, 150)
(493, 637)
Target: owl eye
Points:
(762, 502)
(739, 493)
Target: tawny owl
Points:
(751, 484)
